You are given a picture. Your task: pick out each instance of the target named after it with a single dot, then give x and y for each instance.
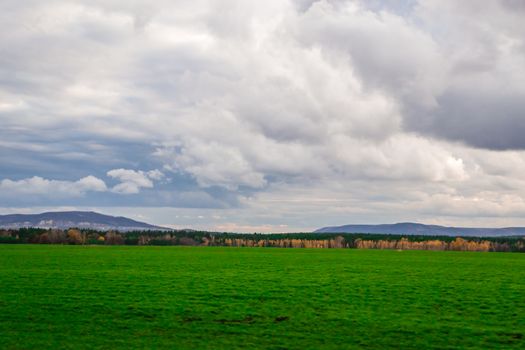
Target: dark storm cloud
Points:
(514, 5)
(485, 119)
(455, 68)
(481, 99)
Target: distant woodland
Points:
(296, 240)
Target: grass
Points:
(74, 297)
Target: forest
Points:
(293, 240)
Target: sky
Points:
(265, 116)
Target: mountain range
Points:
(410, 228)
(78, 219)
(97, 221)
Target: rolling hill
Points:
(78, 219)
(410, 228)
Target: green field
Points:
(83, 297)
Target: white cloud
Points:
(131, 181)
(155, 174)
(39, 186)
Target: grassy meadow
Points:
(123, 297)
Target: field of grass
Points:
(81, 297)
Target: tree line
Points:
(297, 240)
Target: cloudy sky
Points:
(267, 115)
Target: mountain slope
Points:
(79, 219)
(409, 228)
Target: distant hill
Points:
(410, 228)
(78, 219)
